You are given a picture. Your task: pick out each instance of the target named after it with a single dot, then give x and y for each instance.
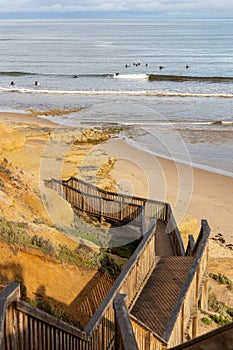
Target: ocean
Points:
(166, 84)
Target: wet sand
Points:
(194, 194)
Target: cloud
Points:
(142, 6)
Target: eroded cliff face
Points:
(10, 139)
(70, 150)
(30, 153)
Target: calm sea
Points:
(169, 83)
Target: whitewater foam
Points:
(116, 92)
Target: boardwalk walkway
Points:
(163, 243)
(158, 297)
(164, 284)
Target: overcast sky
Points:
(117, 8)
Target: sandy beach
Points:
(18, 118)
(194, 193)
(109, 163)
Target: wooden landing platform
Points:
(157, 300)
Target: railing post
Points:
(7, 296)
(194, 326)
(121, 209)
(143, 222)
(167, 214)
(190, 246)
(205, 294)
(101, 209)
(124, 334)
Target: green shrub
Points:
(126, 250)
(225, 313)
(230, 312)
(56, 310)
(87, 257)
(78, 257)
(67, 255)
(109, 266)
(220, 319)
(38, 221)
(12, 232)
(44, 305)
(206, 321)
(215, 305)
(23, 288)
(222, 279)
(44, 244)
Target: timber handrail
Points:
(124, 198)
(172, 229)
(190, 246)
(53, 321)
(148, 208)
(219, 338)
(116, 288)
(31, 324)
(34, 325)
(24, 326)
(125, 337)
(138, 322)
(106, 192)
(200, 249)
(8, 295)
(101, 206)
(149, 204)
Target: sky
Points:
(116, 8)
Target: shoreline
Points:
(192, 164)
(25, 118)
(194, 193)
(44, 121)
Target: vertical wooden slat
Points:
(61, 339)
(31, 333)
(7, 330)
(16, 328)
(35, 333)
(26, 331)
(57, 345)
(12, 330)
(104, 333)
(3, 344)
(48, 337)
(40, 341)
(21, 330)
(44, 336)
(52, 347)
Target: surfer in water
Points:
(12, 83)
(37, 83)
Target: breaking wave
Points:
(181, 78)
(115, 92)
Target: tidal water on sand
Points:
(167, 83)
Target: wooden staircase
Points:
(158, 289)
